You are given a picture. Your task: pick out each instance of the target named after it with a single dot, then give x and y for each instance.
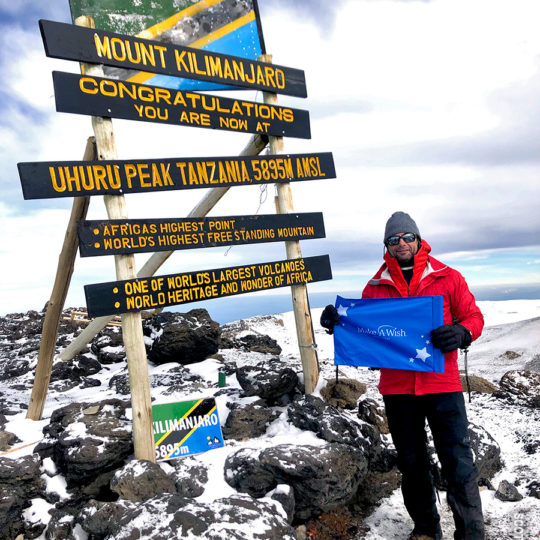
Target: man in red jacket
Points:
(413, 397)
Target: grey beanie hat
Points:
(400, 222)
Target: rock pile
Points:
(345, 469)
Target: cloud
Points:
(423, 112)
(321, 12)
(27, 12)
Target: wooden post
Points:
(254, 147)
(302, 313)
(139, 383)
(64, 271)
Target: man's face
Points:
(403, 252)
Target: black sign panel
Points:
(98, 96)
(71, 42)
(149, 235)
(117, 297)
(49, 179)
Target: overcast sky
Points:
(431, 107)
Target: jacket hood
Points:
(390, 271)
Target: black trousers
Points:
(447, 419)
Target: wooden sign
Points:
(185, 428)
(97, 96)
(49, 179)
(71, 42)
(117, 297)
(150, 235)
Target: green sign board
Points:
(230, 27)
(185, 428)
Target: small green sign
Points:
(185, 428)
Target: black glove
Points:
(329, 318)
(451, 337)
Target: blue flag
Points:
(389, 333)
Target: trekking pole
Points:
(467, 373)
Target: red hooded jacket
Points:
(430, 278)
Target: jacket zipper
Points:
(414, 372)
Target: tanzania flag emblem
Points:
(185, 428)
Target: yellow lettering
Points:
(88, 85)
(102, 48)
(57, 186)
(114, 42)
(142, 175)
(180, 63)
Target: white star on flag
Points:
(411, 360)
(342, 310)
(422, 354)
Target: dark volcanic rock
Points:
(169, 516)
(260, 343)
(525, 385)
(120, 383)
(7, 439)
(141, 480)
(510, 355)
(20, 481)
(190, 477)
(269, 380)
(311, 413)
(486, 453)
(10, 408)
(108, 346)
(284, 495)
(343, 394)
(60, 526)
(14, 367)
(87, 442)
(21, 325)
(75, 369)
(88, 382)
(101, 519)
(376, 486)
(244, 472)
(533, 489)
(508, 492)
(322, 477)
(24, 474)
(533, 364)
(176, 379)
(248, 422)
(183, 337)
(370, 412)
(478, 384)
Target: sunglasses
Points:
(407, 237)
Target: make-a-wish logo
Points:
(387, 331)
(369, 331)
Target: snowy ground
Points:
(512, 326)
